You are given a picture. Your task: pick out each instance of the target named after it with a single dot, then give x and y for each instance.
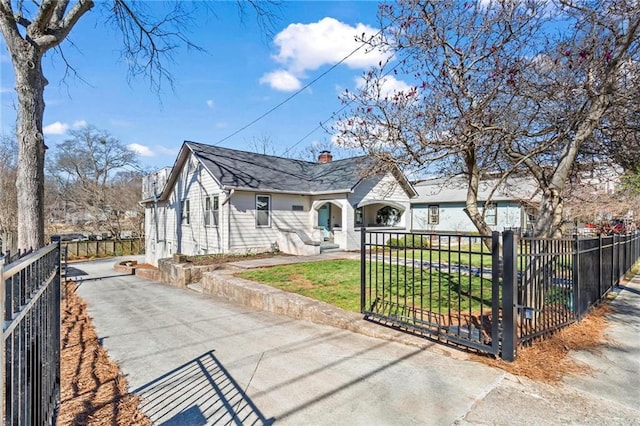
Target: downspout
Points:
(155, 209)
(228, 202)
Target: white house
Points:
(220, 200)
(440, 204)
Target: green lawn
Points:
(464, 256)
(338, 282)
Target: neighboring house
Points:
(220, 200)
(440, 204)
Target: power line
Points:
(293, 95)
(322, 123)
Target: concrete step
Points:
(197, 287)
(329, 247)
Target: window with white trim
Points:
(186, 212)
(434, 215)
(263, 211)
(359, 216)
(212, 211)
(491, 214)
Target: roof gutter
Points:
(279, 191)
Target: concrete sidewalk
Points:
(201, 360)
(610, 394)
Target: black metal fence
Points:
(559, 280)
(489, 293)
(30, 353)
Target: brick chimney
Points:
(325, 157)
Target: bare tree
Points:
(496, 88)
(312, 151)
(125, 214)
(30, 29)
(568, 92)
(85, 167)
(8, 196)
(456, 57)
(619, 137)
(263, 144)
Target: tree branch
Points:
(52, 37)
(8, 25)
(45, 12)
(58, 15)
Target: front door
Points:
(324, 218)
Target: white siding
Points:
(245, 235)
(454, 219)
(237, 230)
(193, 183)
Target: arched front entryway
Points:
(328, 219)
(379, 213)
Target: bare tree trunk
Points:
(8, 242)
(471, 207)
(549, 221)
(30, 84)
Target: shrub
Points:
(410, 241)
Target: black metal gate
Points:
(444, 286)
(30, 351)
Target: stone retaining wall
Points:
(177, 272)
(126, 267)
(148, 273)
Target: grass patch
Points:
(337, 282)
(474, 255)
(454, 257)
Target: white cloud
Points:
(307, 47)
(57, 128)
(142, 150)
(6, 90)
(79, 124)
(210, 103)
(281, 80)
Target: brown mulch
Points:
(145, 266)
(93, 392)
(547, 360)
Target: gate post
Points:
(577, 294)
(363, 268)
(509, 292)
(600, 267)
(495, 291)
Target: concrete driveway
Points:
(198, 360)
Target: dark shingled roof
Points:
(248, 170)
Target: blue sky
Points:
(242, 74)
